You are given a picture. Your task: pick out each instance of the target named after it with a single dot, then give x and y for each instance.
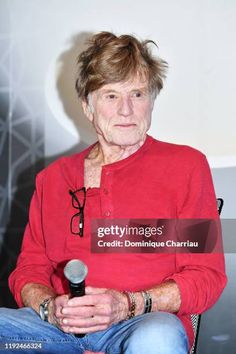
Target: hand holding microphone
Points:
(99, 308)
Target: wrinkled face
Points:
(121, 112)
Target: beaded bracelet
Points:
(147, 301)
(131, 304)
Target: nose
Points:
(125, 106)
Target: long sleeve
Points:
(201, 277)
(33, 264)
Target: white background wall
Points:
(196, 37)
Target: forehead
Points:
(125, 86)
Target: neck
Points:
(104, 153)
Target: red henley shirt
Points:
(160, 180)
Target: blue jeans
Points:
(159, 333)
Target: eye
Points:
(111, 96)
(137, 94)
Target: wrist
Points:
(51, 312)
(46, 309)
(139, 303)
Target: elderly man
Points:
(134, 302)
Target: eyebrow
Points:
(107, 91)
(143, 88)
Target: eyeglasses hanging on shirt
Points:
(77, 220)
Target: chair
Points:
(196, 319)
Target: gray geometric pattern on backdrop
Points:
(21, 154)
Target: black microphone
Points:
(76, 271)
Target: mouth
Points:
(127, 125)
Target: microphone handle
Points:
(77, 290)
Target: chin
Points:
(127, 139)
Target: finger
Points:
(86, 311)
(61, 300)
(59, 324)
(80, 311)
(58, 312)
(59, 303)
(86, 322)
(88, 300)
(89, 290)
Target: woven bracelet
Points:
(131, 304)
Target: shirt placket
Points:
(107, 207)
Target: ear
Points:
(87, 110)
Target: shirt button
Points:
(107, 173)
(107, 213)
(105, 191)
